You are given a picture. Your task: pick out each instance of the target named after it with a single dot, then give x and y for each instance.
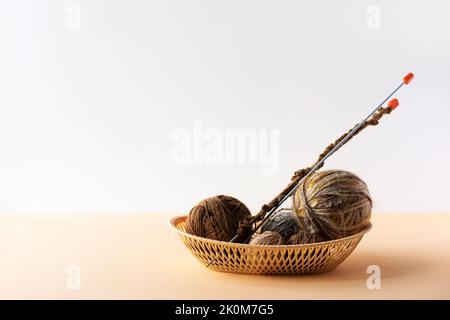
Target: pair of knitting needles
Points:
(392, 104)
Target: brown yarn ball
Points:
(332, 204)
(217, 218)
(303, 237)
(267, 238)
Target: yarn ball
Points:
(267, 238)
(303, 237)
(285, 222)
(332, 204)
(216, 218)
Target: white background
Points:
(88, 110)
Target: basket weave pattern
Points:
(256, 259)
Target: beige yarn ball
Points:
(332, 204)
(267, 238)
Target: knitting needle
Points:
(392, 104)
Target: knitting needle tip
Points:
(407, 79)
(393, 104)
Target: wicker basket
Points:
(256, 259)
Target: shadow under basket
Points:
(256, 259)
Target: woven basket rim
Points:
(175, 220)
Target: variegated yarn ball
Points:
(304, 237)
(332, 204)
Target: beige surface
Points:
(139, 257)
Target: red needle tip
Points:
(393, 104)
(407, 79)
